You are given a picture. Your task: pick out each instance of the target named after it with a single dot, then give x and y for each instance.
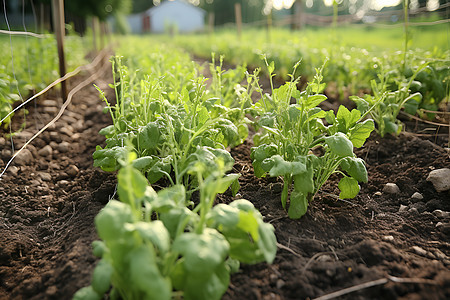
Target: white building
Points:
(170, 15)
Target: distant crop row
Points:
(350, 69)
(29, 64)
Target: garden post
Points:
(238, 14)
(58, 23)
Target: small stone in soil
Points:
(419, 251)
(391, 188)
(414, 211)
(440, 179)
(441, 214)
(438, 253)
(6, 153)
(2, 141)
(403, 208)
(48, 102)
(63, 183)
(45, 176)
(24, 157)
(13, 171)
(46, 151)
(417, 196)
(53, 165)
(63, 147)
(55, 136)
(388, 238)
(72, 170)
(67, 130)
(280, 283)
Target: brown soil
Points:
(48, 204)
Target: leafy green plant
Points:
(169, 133)
(182, 253)
(387, 101)
(291, 133)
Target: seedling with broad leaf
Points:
(291, 135)
(154, 247)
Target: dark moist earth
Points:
(49, 198)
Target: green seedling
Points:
(293, 133)
(183, 253)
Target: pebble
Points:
(280, 283)
(48, 102)
(69, 119)
(403, 208)
(441, 214)
(325, 257)
(439, 225)
(45, 176)
(63, 183)
(13, 170)
(24, 157)
(438, 253)
(56, 137)
(440, 179)
(63, 147)
(377, 194)
(35, 182)
(2, 141)
(78, 126)
(72, 171)
(6, 153)
(53, 165)
(391, 188)
(67, 130)
(419, 251)
(50, 110)
(414, 211)
(46, 151)
(51, 291)
(417, 196)
(388, 238)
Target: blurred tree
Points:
(77, 11)
(224, 10)
(141, 5)
(98, 8)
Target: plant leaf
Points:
(349, 188)
(340, 144)
(145, 275)
(298, 205)
(359, 134)
(355, 167)
(101, 278)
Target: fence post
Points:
(238, 14)
(211, 22)
(269, 26)
(58, 24)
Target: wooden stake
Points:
(58, 24)
(211, 22)
(269, 26)
(102, 35)
(95, 28)
(238, 14)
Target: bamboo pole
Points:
(58, 24)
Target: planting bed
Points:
(48, 204)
